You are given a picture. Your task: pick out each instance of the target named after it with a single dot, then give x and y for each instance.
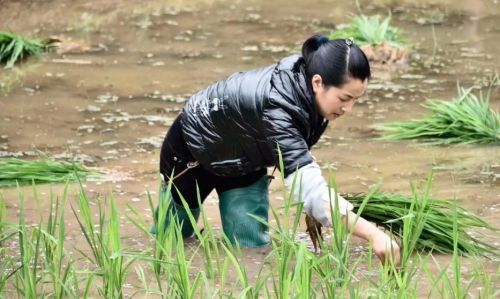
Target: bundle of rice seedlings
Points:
(380, 42)
(13, 171)
(390, 210)
(370, 30)
(468, 119)
(14, 48)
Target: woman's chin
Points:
(333, 116)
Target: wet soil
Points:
(128, 68)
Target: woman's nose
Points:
(348, 106)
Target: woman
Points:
(229, 133)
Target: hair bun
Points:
(322, 40)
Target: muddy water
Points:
(109, 100)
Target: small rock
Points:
(88, 128)
(158, 63)
(108, 143)
(253, 48)
(412, 76)
(92, 108)
(430, 81)
(106, 98)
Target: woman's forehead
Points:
(354, 87)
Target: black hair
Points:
(334, 60)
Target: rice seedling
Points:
(183, 287)
(14, 48)
(371, 30)
(3, 220)
(56, 259)
(458, 289)
(16, 171)
(413, 224)
(453, 284)
(28, 278)
(7, 266)
(467, 119)
(336, 270)
(295, 271)
(295, 266)
(381, 43)
(241, 271)
(6, 272)
(392, 210)
(165, 239)
(486, 282)
(105, 245)
(290, 270)
(208, 241)
(210, 245)
(283, 243)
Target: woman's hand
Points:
(385, 248)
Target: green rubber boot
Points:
(181, 213)
(235, 206)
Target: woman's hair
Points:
(334, 60)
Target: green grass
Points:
(468, 119)
(370, 30)
(179, 270)
(16, 171)
(14, 48)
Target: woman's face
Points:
(333, 102)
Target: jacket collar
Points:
(289, 79)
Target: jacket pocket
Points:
(233, 167)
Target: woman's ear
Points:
(317, 83)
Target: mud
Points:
(107, 99)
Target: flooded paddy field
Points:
(126, 68)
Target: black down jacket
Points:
(233, 126)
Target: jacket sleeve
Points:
(280, 130)
(311, 188)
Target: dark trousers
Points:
(175, 157)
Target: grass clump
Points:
(381, 43)
(14, 48)
(16, 171)
(468, 119)
(370, 30)
(391, 210)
